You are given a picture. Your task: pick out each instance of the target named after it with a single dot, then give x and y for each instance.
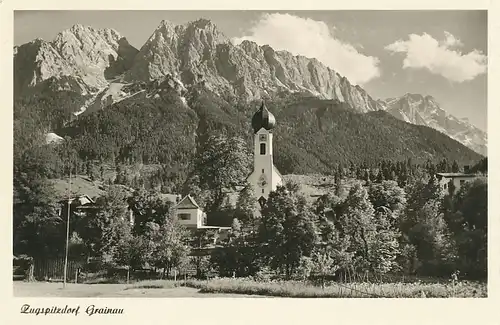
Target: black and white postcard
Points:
(250, 154)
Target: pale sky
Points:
(388, 53)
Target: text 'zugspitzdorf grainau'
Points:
(90, 310)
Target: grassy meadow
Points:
(298, 289)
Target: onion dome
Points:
(263, 119)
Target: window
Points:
(262, 148)
(262, 191)
(262, 170)
(184, 216)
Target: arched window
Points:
(262, 148)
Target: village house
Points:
(455, 180)
(190, 215)
(79, 205)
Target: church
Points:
(265, 177)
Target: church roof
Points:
(263, 119)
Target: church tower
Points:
(265, 176)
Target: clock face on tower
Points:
(262, 182)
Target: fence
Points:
(53, 269)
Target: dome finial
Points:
(263, 119)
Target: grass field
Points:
(249, 288)
(45, 289)
(353, 290)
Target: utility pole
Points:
(67, 229)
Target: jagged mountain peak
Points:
(249, 44)
(205, 31)
(165, 26)
(78, 27)
(89, 56)
(202, 23)
(425, 110)
(205, 25)
(82, 31)
(416, 98)
(199, 54)
(88, 36)
(38, 43)
(412, 95)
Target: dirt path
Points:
(42, 289)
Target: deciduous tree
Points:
(287, 231)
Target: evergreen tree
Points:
(367, 177)
(380, 176)
(340, 172)
(359, 173)
(101, 171)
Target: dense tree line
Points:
(370, 232)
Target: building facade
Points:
(189, 213)
(452, 182)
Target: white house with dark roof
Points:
(189, 213)
(455, 180)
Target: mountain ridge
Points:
(105, 69)
(89, 56)
(197, 52)
(425, 110)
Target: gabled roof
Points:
(187, 203)
(82, 199)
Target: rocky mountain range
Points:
(424, 110)
(80, 56)
(101, 66)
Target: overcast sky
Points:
(388, 53)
